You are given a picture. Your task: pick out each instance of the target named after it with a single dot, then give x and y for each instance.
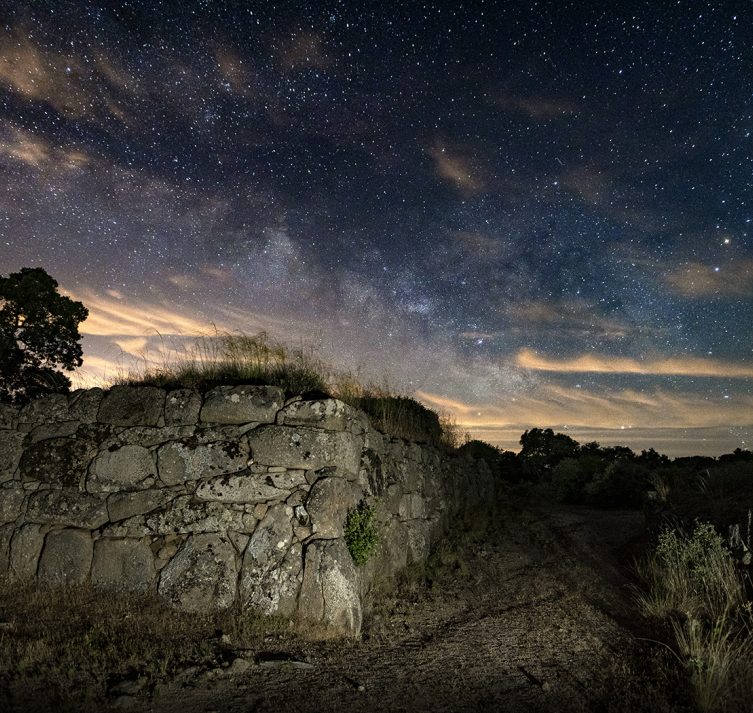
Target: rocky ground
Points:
(534, 615)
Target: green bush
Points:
(361, 534)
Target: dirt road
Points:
(525, 619)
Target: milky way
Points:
(527, 214)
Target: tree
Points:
(38, 334)
(543, 449)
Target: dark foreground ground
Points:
(535, 613)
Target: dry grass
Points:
(69, 648)
(694, 588)
(237, 358)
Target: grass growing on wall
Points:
(237, 358)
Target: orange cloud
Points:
(23, 146)
(597, 363)
(72, 87)
(456, 169)
(551, 405)
(698, 280)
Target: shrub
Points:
(693, 585)
(361, 534)
(620, 484)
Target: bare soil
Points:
(535, 614)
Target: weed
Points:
(361, 534)
(692, 585)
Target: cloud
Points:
(456, 169)
(620, 416)
(598, 363)
(73, 87)
(303, 50)
(234, 71)
(34, 151)
(695, 279)
(537, 108)
(575, 317)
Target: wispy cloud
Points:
(23, 146)
(599, 363)
(456, 168)
(73, 87)
(575, 317)
(537, 108)
(626, 416)
(696, 279)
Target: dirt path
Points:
(527, 621)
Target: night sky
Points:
(527, 214)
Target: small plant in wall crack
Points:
(361, 534)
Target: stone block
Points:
(306, 448)
(8, 416)
(6, 534)
(68, 506)
(132, 406)
(182, 407)
(328, 414)
(123, 565)
(66, 557)
(59, 461)
(148, 436)
(329, 591)
(56, 429)
(188, 460)
(121, 468)
(121, 506)
(202, 577)
(271, 567)
(188, 516)
(11, 503)
(25, 549)
(328, 504)
(83, 404)
(411, 507)
(393, 547)
(242, 404)
(53, 407)
(419, 540)
(11, 449)
(250, 487)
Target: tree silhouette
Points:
(38, 334)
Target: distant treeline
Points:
(615, 476)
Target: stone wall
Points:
(237, 495)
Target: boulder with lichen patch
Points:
(202, 576)
(58, 461)
(242, 404)
(186, 460)
(306, 448)
(132, 406)
(329, 592)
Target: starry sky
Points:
(524, 213)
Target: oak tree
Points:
(38, 335)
